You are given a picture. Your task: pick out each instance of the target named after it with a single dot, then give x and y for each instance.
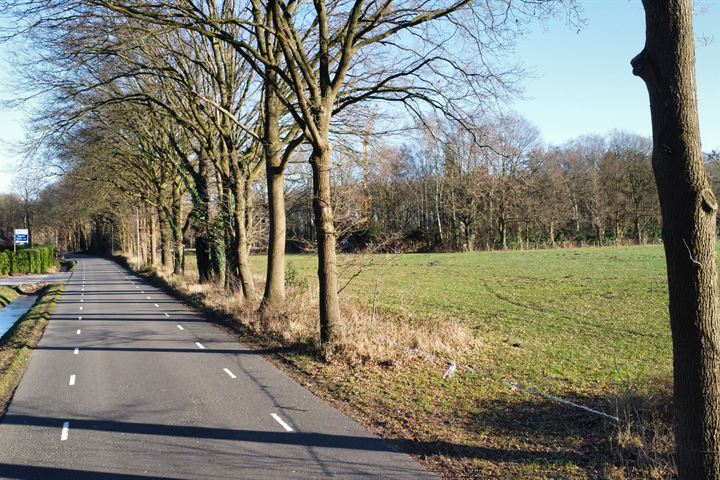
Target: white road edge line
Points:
(72, 380)
(277, 418)
(77, 350)
(231, 374)
(200, 345)
(181, 327)
(65, 431)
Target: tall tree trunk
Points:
(274, 293)
(177, 231)
(229, 207)
(200, 222)
(153, 237)
(241, 245)
(688, 207)
(166, 243)
(326, 240)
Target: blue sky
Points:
(582, 82)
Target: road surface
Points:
(128, 383)
(61, 277)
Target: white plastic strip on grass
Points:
(563, 401)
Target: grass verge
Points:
(7, 295)
(17, 344)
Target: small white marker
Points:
(78, 332)
(80, 318)
(80, 308)
(200, 345)
(81, 300)
(281, 422)
(181, 327)
(142, 291)
(77, 350)
(231, 374)
(136, 286)
(149, 297)
(65, 431)
(158, 306)
(72, 380)
(166, 314)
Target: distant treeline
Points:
(449, 194)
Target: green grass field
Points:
(566, 319)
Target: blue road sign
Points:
(21, 236)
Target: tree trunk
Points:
(688, 207)
(166, 244)
(200, 222)
(229, 207)
(325, 229)
(177, 232)
(241, 252)
(274, 293)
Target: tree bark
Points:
(166, 246)
(274, 293)
(177, 231)
(200, 222)
(241, 252)
(326, 240)
(688, 207)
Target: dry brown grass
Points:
(366, 335)
(643, 440)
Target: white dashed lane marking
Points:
(200, 345)
(277, 418)
(230, 374)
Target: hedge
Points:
(27, 260)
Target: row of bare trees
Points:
(167, 100)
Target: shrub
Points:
(27, 260)
(4, 263)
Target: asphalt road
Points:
(61, 277)
(128, 383)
